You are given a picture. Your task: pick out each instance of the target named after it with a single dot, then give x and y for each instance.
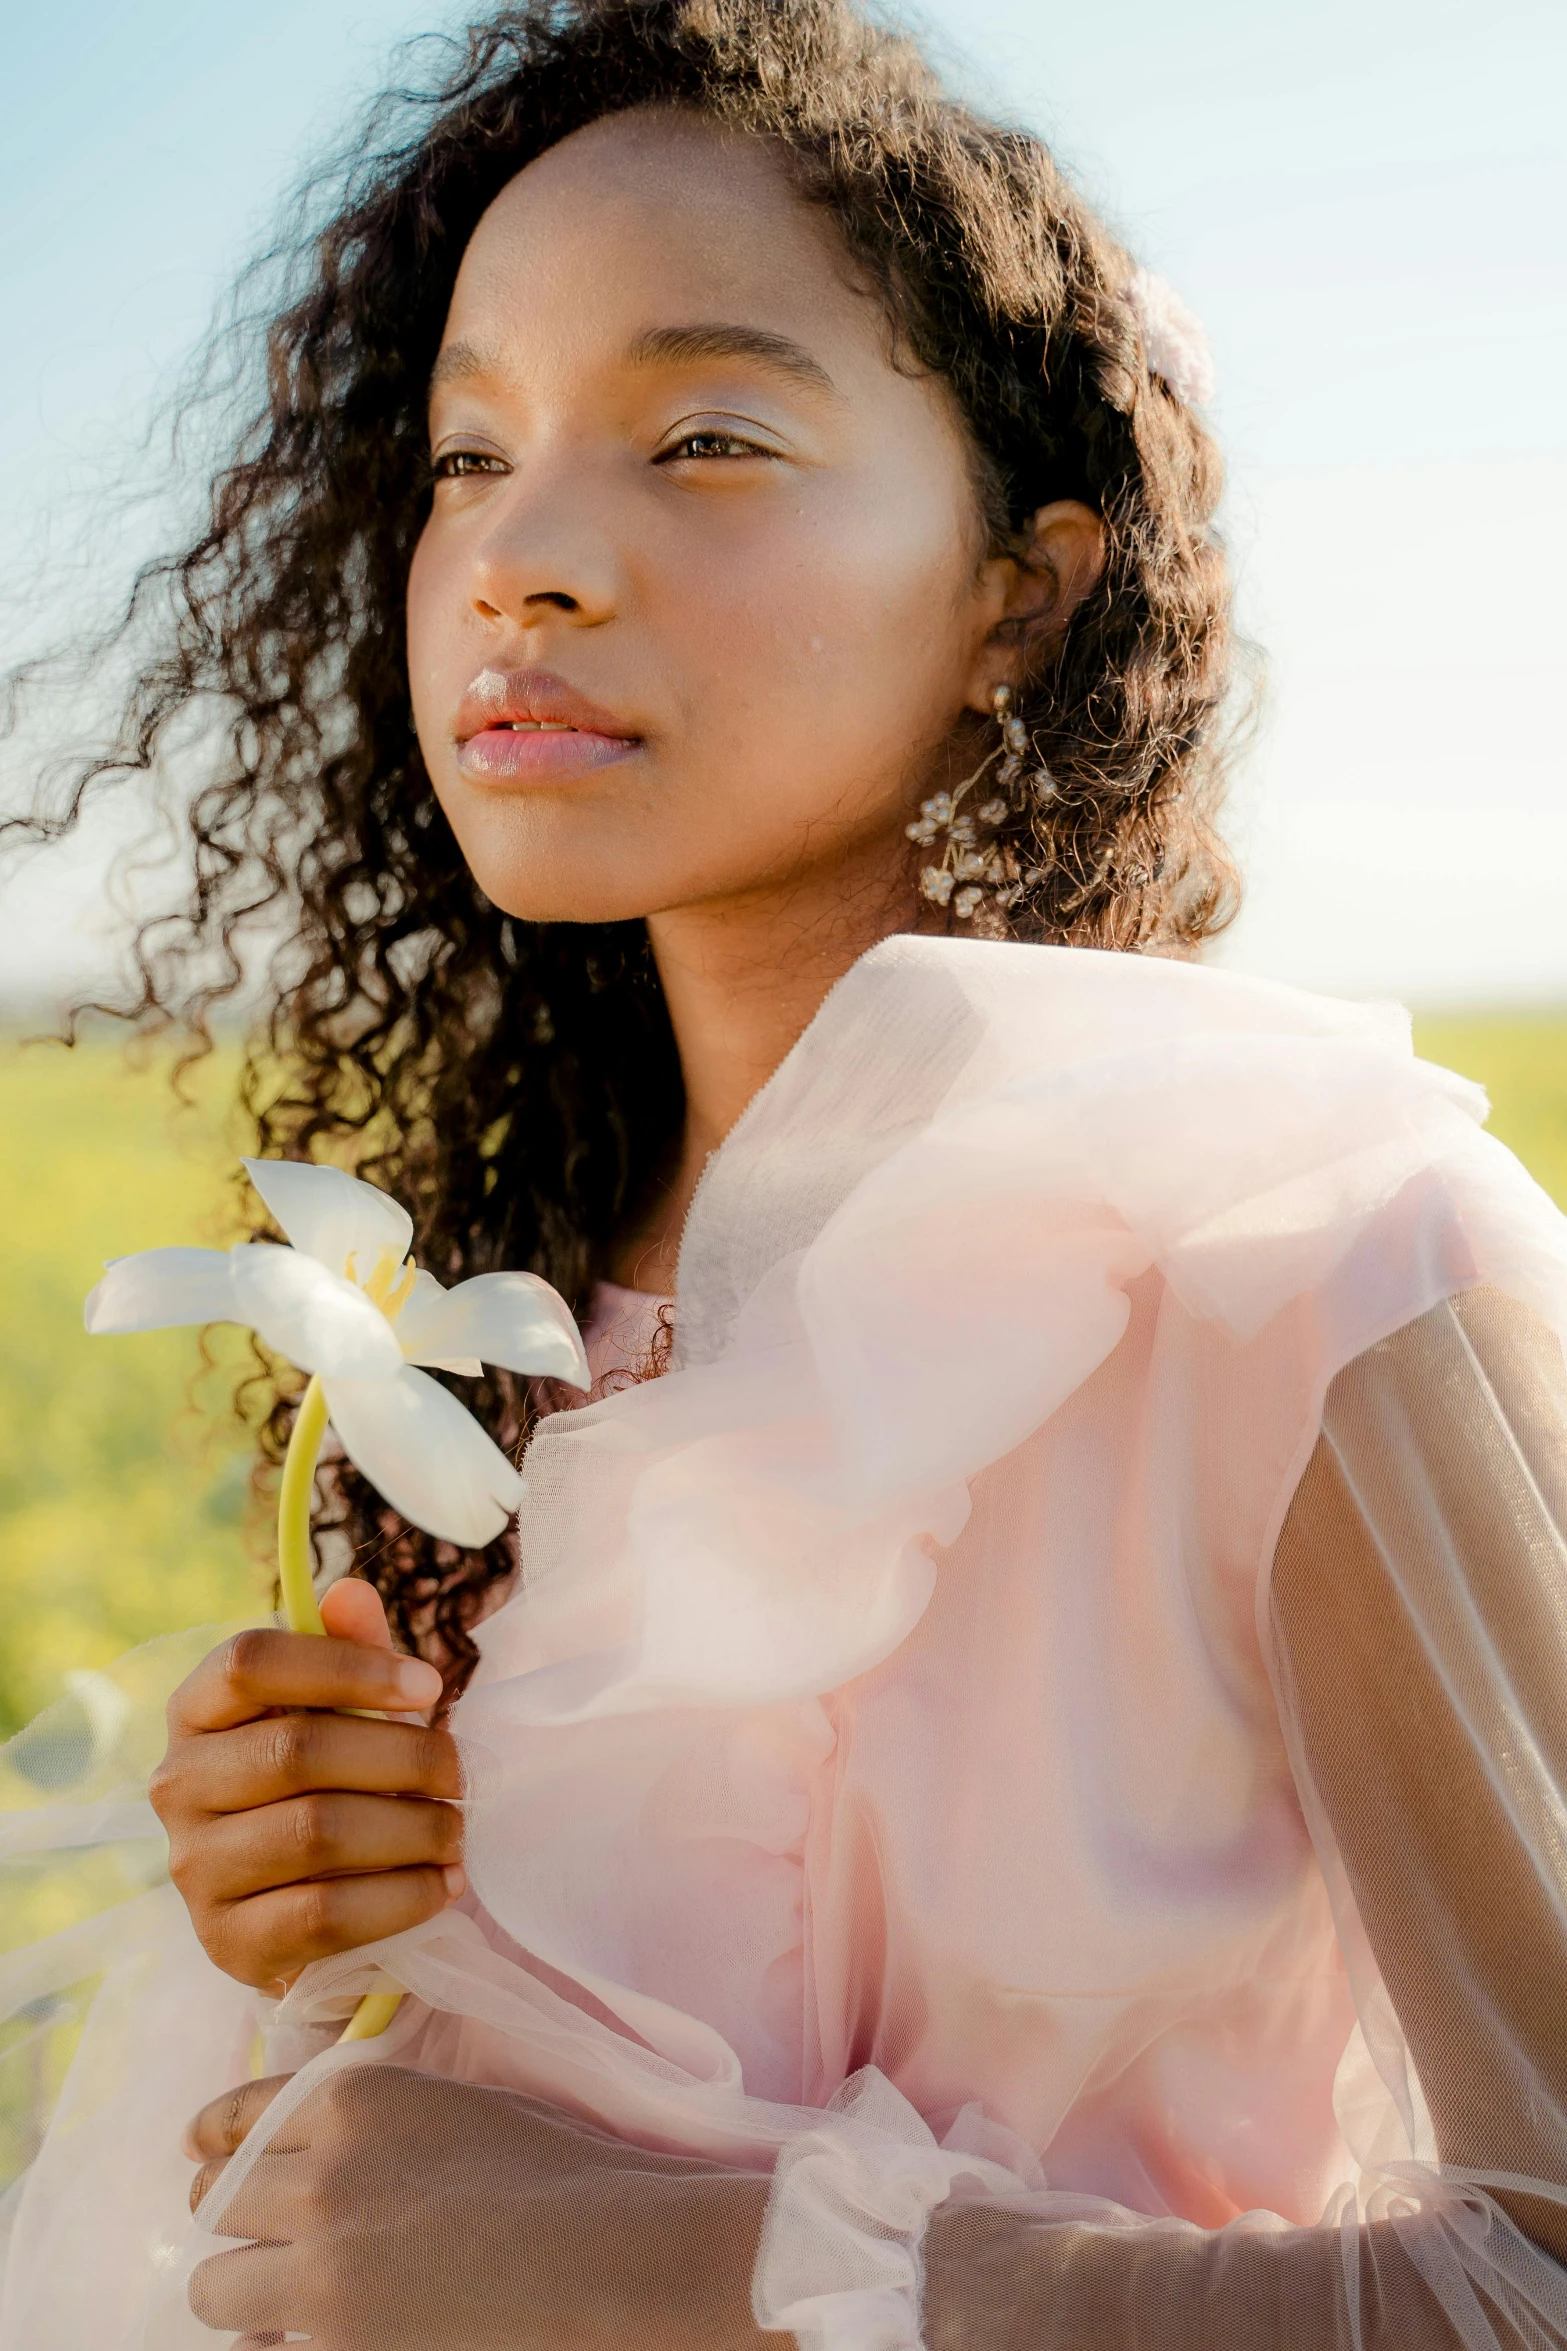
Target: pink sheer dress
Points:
(1043, 1727)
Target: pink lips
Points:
(532, 755)
(527, 726)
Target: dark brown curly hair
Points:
(517, 1084)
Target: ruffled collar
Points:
(915, 1244)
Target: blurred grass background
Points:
(122, 1474)
(122, 1478)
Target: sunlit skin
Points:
(695, 512)
(769, 574)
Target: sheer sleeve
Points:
(1418, 1623)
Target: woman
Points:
(1017, 1795)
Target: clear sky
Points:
(1364, 199)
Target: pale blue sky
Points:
(1365, 202)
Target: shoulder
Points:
(1443, 1453)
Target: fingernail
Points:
(417, 1681)
(456, 1881)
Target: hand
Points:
(404, 2212)
(295, 1832)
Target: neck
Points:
(743, 981)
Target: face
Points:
(703, 592)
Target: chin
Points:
(567, 889)
(560, 902)
(595, 880)
(551, 880)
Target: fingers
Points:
(268, 1938)
(289, 1754)
(203, 2180)
(225, 2123)
(278, 2201)
(268, 1806)
(353, 1611)
(253, 2291)
(258, 1670)
(330, 1833)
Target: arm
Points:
(398, 2211)
(1420, 1604)
(1420, 1625)
(395, 2208)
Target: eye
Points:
(455, 465)
(708, 441)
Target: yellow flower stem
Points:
(371, 2018)
(295, 1564)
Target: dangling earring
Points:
(981, 881)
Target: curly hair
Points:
(517, 1084)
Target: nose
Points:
(544, 555)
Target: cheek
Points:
(834, 642)
(432, 622)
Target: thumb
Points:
(352, 1611)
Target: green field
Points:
(122, 1485)
(122, 1479)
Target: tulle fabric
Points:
(1417, 1623)
(1041, 1733)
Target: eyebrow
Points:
(670, 347)
(457, 362)
(677, 346)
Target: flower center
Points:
(390, 1284)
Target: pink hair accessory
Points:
(1175, 341)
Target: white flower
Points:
(936, 885)
(964, 904)
(1175, 341)
(346, 1303)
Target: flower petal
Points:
(328, 1214)
(427, 1454)
(513, 1319)
(159, 1287)
(425, 1292)
(315, 1318)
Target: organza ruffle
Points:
(884, 1773)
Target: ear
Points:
(1034, 592)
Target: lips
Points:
(527, 725)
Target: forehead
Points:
(657, 215)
